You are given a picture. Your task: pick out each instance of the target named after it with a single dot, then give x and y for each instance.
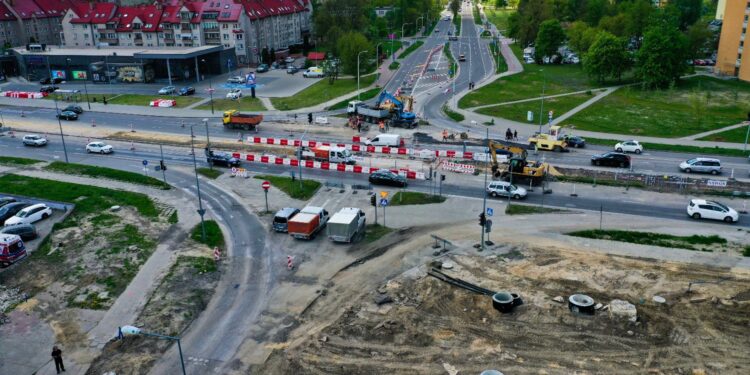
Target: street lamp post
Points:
(358, 54)
(130, 330)
(484, 196)
(402, 29)
(59, 123)
(210, 89)
(541, 107)
(417, 22)
(201, 211)
(377, 56)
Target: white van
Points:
(390, 140)
(313, 72)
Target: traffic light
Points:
(162, 165)
(442, 177)
(482, 219)
(373, 200)
(309, 118)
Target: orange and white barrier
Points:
(455, 167)
(164, 103)
(23, 94)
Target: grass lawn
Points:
(394, 65)
(373, 232)
(404, 198)
(517, 112)
(521, 209)
(694, 242)
(449, 55)
(413, 47)
(501, 65)
(292, 188)
(246, 104)
(144, 100)
(17, 162)
(735, 135)
(477, 16)
(108, 173)
(366, 95)
(87, 199)
(455, 116)
(387, 49)
(214, 237)
(210, 173)
(499, 17)
(696, 105)
(321, 92)
(675, 148)
(457, 23)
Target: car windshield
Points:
(22, 213)
(691, 161)
(513, 187)
(725, 208)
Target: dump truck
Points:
(346, 224)
(397, 110)
(331, 154)
(243, 121)
(307, 223)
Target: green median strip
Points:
(214, 236)
(394, 65)
(248, 104)
(144, 100)
(413, 47)
(453, 66)
(455, 116)
(694, 242)
(522, 209)
(292, 187)
(108, 173)
(404, 198)
(13, 161)
(321, 92)
(210, 173)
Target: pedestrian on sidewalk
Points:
(57, 356)
(445, 135)
(104, 100)
(359, 126)
(515, 135)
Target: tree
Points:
(348, 47)
(689, 11)
(549, 39)
(265, 55)
(698, 37)
(581, 36)
(501, 3)
(513, 4)
(616, 25)
(455, 6)
(607, 57)
(531, 13)
(661, 59)
(595, 10)
(638, 13)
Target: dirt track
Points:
(433, 327)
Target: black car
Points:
(25, 231)
(185, 91)
(221, 159)
(386, 177)
(6, 200)
(11, 209)
(74, 108)
(575, 141)
(262, 68)
(48, 89)
(611, 159)
(45, 81)
(68, 115)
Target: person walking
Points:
(57, 356)
(515, 135)
(445, 135)
(381, 125)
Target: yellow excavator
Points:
(519, 169)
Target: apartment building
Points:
(31, 21)
(730, 58)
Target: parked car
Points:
(387, 177)
(281, 219)
(504, 189)
(289, 59)
(699, 62)
(11, 249)
(10, 209)
(262, 68)
(27, 232)
(701, 165)
(292, 69)
(34, 140)
(45, 81)
(68, 115)
(48, 89)
(629, 146)
(313, 72)
(99, 147)
(30, 215)
(169, 90)
(236, 79)
(611, 159)
(6, 200)
(575, 141)
(185, 91)
(74, 108)
(234, 94)
(703, 209)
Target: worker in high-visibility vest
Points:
(381, 125)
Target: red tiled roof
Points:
(148, 16)
(5, 14)
(228, 10)
(54, 8)
(316, 55)
(258, 9)
(171, 14)
(27, 9)
(98, 13)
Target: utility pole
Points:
(541, 108)
(201, 211)
(208, 141)
(484, 188)
(65, 150)
(162, 165)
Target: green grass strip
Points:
(521, 209)
(210, 173)
(477, 16)
(698, 150)
(292, 188)
(405, 198)
(321, 92)
(413, 47)
(14, 161)
(109, 173)
(694, 242)
(366, 95)
(455, 116)
(214, 237)
(374, 232)
(394, 65)
(453, 66)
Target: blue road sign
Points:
(490, 211)
(145, 162)
(384, 202)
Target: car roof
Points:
(703, 201)
(17, 226)
(705, 159)
(35, 206)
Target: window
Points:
(226, 36)
(136, 26)
(224, 26)
(237, 26)
(238, 36)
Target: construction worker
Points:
(445, 135)
(381, 125)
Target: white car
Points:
(629, 146)
(504, 188)
(289, 60)
(30, 215)
(34, 140)
(234, 94)
(99, 147)
(703, 209)
(236, 79)
(167, 90)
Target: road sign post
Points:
(145, 167)
(266, 185)
(384, 203)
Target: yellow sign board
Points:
(383, 194)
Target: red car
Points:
(11, 249)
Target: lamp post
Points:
(402, 29)
(210, 88)
(417, 22)
(85, 87)
(130, 330)
(59, 123)
(484, 196)
(377, 56)
(201, 211)
(358, 54)
(208, 141)
(541, 107)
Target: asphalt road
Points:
(131, 160)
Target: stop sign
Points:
(265, 185)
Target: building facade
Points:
(31, 21)
(730, 58)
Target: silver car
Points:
(34, 140)
(701, 165)
(504, 188)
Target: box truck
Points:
(346, 224)
(307, 223)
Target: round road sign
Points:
(265, 185)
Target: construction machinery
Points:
(396, 109)
(551, 141)
(519, 170)
(233, 119)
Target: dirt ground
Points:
(175, 303)
(435, 328)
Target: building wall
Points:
(75, 35)
(731, 57)
(720, 9)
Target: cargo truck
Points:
(235, 120)
(346, 224)
(307, 223)
(331, 154)
(397, 110)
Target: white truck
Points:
(346, 224)
(333, 154)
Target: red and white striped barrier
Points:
(455, 167)
(289, 263)
(24, 94)
(217, 254)
(452, 154)
(324, 165)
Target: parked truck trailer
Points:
(346, 224)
